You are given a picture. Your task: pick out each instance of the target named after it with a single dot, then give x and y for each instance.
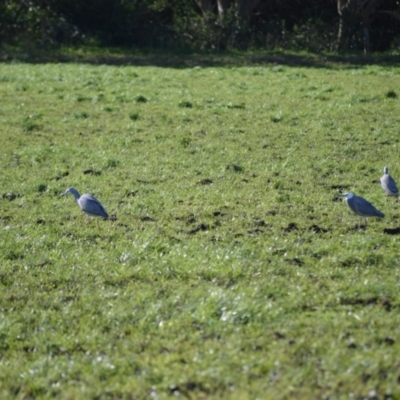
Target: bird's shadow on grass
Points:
(392, 231)
(387, 231)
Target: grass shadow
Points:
(181, 60)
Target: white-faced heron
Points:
(388, 184)
(89, 204)
(362, 207)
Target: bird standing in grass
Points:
(388, 184)
(362, 207)
(88, 204)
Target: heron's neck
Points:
(75, 194)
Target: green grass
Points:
(230, 267)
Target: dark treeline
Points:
(312, 25)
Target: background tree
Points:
(356, 17)
(244, 8)
(311, 25)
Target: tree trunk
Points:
(223, 6)
(366, 40)
(355, 15)
(367, 10)
(244, 8)
(347, 10)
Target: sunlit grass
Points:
(230, 267)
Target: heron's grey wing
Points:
(91, 205)
(365, 208)
(391, 186)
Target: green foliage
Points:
(391, 94)
(140, 99)
(31, 123)
(182, 24)
(229, 268)
(134, 116)
(185, 104)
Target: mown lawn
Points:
(230, 266)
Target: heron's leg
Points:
(360, 223)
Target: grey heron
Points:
(388, 184)
(362, 207)
(88, 203)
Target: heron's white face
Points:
(385, 170)
(72, 191)
(348, 195)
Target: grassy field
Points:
(231, 267)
